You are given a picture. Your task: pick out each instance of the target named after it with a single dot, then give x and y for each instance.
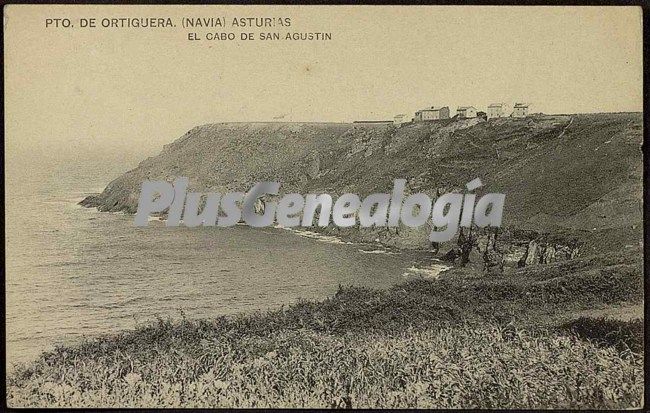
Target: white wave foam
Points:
(432, 271)
(314, 235)
(378, 252)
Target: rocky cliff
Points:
(567, 174)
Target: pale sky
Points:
(118, 90)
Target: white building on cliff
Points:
(466, 112)
(432, 113)
(498, 110)
(520, 110)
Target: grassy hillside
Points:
(576, 173)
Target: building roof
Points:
(521, 105)
(496, 105)
(466, 107)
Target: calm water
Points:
(73, 272)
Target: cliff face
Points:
(566, 172)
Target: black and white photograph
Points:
(324, 206)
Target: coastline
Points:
(377, 344)
(444, 325)
(453, 322)
(369, 242)
(463, 321)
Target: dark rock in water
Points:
(89, 201)
(451, 255)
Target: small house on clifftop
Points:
(466, 112)
(497, 110)
(432, 113)
(520, 111)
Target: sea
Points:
(73, 272)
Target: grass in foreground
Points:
(457, 342)
(464, 366)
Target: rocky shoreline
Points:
(497, 250)
(550, 215)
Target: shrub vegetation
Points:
(456, 342)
